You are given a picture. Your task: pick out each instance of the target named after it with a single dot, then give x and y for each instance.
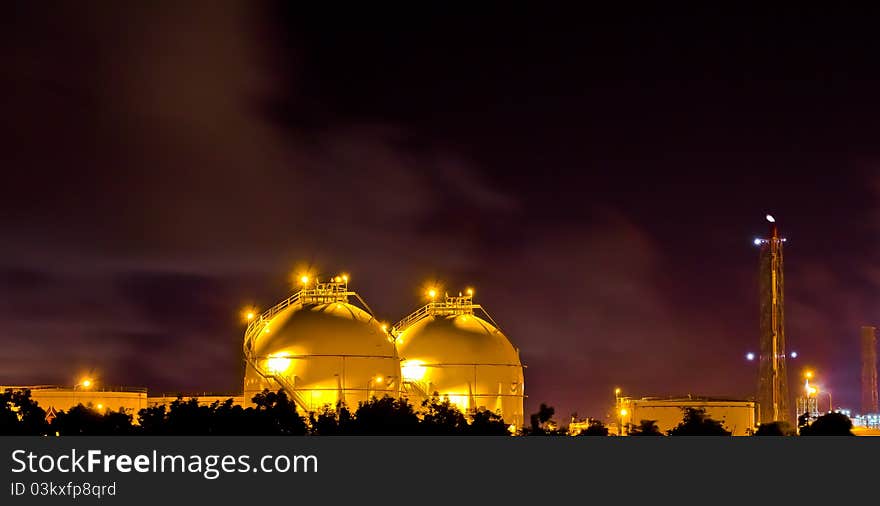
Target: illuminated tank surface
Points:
(321, 348)
(446, 348)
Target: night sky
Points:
(598, 177)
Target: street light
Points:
(84, 384)
(830, 404)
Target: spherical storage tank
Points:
(321, 349)
(446, 348)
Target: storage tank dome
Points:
(321, 349)
(446, 348)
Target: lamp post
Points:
(830, 404)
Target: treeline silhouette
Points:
(273, 414)
(696, 422)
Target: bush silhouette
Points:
(696, 423)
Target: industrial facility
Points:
(324, 346)
(773, 395)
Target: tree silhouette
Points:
(542, 421)
(594, 428)
(829, 424)
(441, 417)
(487, 423)
(152, 420)
(20, 415)
(645, 428)
(330, 422)
(275, 415)
(385, 416)
(85, 421)
(775, 429)
(802, 421)
(696, 423)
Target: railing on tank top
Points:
(441, 309)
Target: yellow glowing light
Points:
(470, 291)
(304, 280)
(266, 330)
(100, 406)
(460, 401)
(384, 327)
(86, 383)
(413, 370)
(379, 379)
(277, 364)
(345, 278)
(624, 412)
(250, 315)
(812, 390)
(338, 279)
(616, 391)
(432, 293)
(808, 374)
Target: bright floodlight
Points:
(794, 354)
(278, 364)
(771, 219)
(757, 242)
(432, 293)
(750, 356)
(304, 280)
(86, 383)
(623, 412)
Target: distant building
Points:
(737, 416)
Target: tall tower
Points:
(869, 370)
(773, 398)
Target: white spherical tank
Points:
(322, 350)
(445, 348)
